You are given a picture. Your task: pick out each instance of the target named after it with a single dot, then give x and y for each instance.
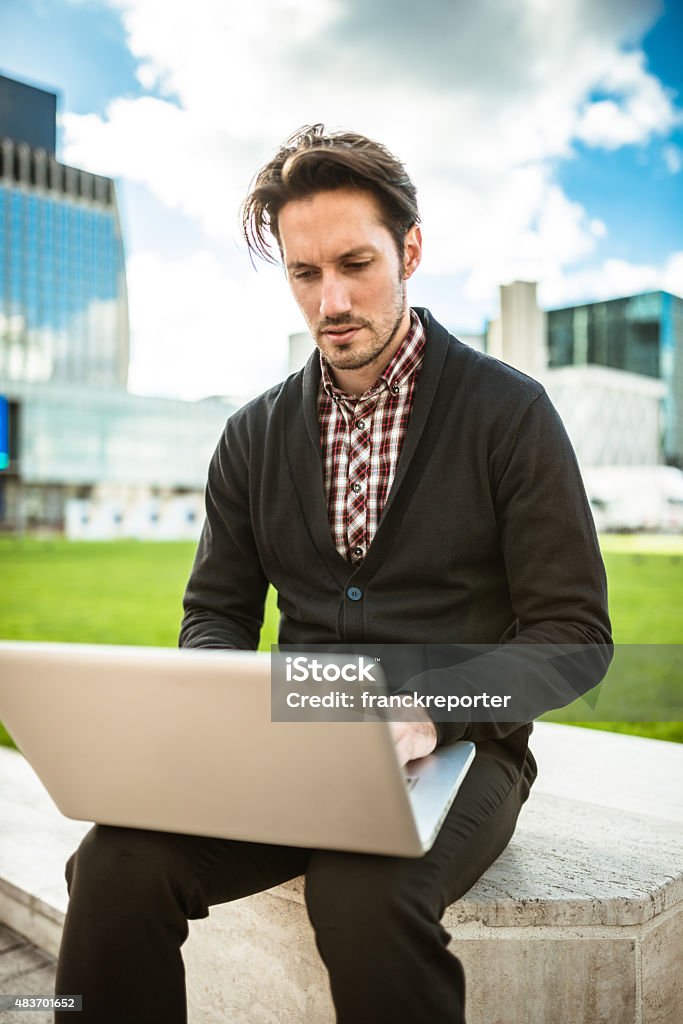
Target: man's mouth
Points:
(341, 335)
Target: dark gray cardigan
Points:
(486, 536)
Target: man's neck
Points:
(356, 382)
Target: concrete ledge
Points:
(580, 921)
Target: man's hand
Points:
(414, 739)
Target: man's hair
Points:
(313, 160)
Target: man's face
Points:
(346, 276)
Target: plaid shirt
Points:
(361, 440)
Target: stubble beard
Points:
(340, 360)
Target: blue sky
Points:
(631, 188)
(546, 141)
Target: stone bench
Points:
(580, 921)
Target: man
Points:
(401, 488)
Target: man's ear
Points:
(412, 251)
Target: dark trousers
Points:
(376, 919)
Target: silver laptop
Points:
(182, 741)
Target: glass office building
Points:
(642, 334)
(63, 304)
(76, 438)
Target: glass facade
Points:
(641, 334)
(67, 441)
(622, 334)
(63, 305)
(73, 435)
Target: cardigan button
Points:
(354, 593)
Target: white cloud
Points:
(672, 278)
(521, 227)
(465, 95)
(673, 158)
(197, 331)
(597, 228)
(165, 147)
(640, 107)
(611, 279)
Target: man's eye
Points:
(358, 265)
(302, 275)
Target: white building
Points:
(518, 335)
(612, 417)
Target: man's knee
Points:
(364, 897)
(131, 872)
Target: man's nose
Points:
(334, 296)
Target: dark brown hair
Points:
(313, 160)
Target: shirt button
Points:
(354, 593)
(360, 424)
(395, 389)
(356, 488)
(358, 552)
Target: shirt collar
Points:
(403, 364)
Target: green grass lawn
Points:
(123, 592)
(129, 592)
(645, 580)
